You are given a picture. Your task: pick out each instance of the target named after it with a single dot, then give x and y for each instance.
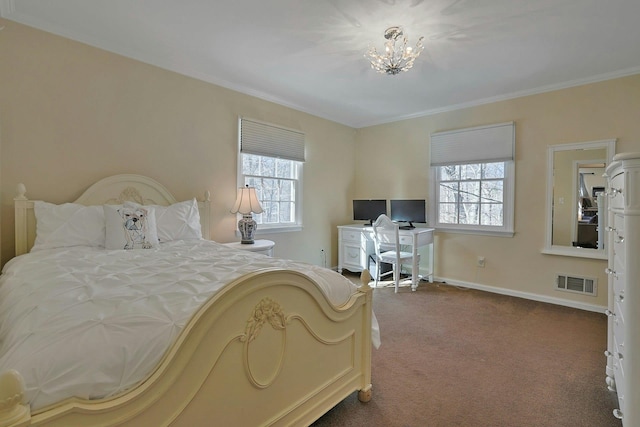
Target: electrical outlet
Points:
(481, 261)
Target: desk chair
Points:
(387, 245)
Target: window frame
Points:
(506, 230)
(277, 227)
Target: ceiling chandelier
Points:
(397, 56)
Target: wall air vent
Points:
(578, 284)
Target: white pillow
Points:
(179, 221)
(130, 227)
(69, 224)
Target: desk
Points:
(355, 246)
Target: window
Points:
(473, 180)
(271, 160)
(472, 195)
(277, 186)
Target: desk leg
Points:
(431, 262)
(415, 268)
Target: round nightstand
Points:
(261, 246)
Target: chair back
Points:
(386, 235)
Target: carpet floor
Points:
(459, 357)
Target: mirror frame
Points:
(610, 146)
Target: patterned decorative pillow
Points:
(179, 221)
(130, 227)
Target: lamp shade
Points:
(246, 201)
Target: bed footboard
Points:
(268, 349)
(13, 411)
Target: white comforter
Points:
(90, 322)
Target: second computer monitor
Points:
(410, 211)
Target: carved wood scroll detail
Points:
(266, 311)
(130, 194)
(12, 408)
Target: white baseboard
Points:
(526, 295)
(519, 294)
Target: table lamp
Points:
(246, 204)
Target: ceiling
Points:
(308, 54)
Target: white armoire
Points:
(623, 347)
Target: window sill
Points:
(476, 232)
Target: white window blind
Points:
(483, 144)
(269, 140)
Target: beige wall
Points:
(586, 113)
(71, 114)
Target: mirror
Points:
(576, 205)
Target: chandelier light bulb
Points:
(398, 56)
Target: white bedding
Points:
(90, 322)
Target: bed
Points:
(269, 341)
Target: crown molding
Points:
(505, 97)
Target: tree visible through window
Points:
(276, 182)
(472, 194)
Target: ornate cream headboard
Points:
(113, 190)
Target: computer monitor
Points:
(408, 211)
(369, 210)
